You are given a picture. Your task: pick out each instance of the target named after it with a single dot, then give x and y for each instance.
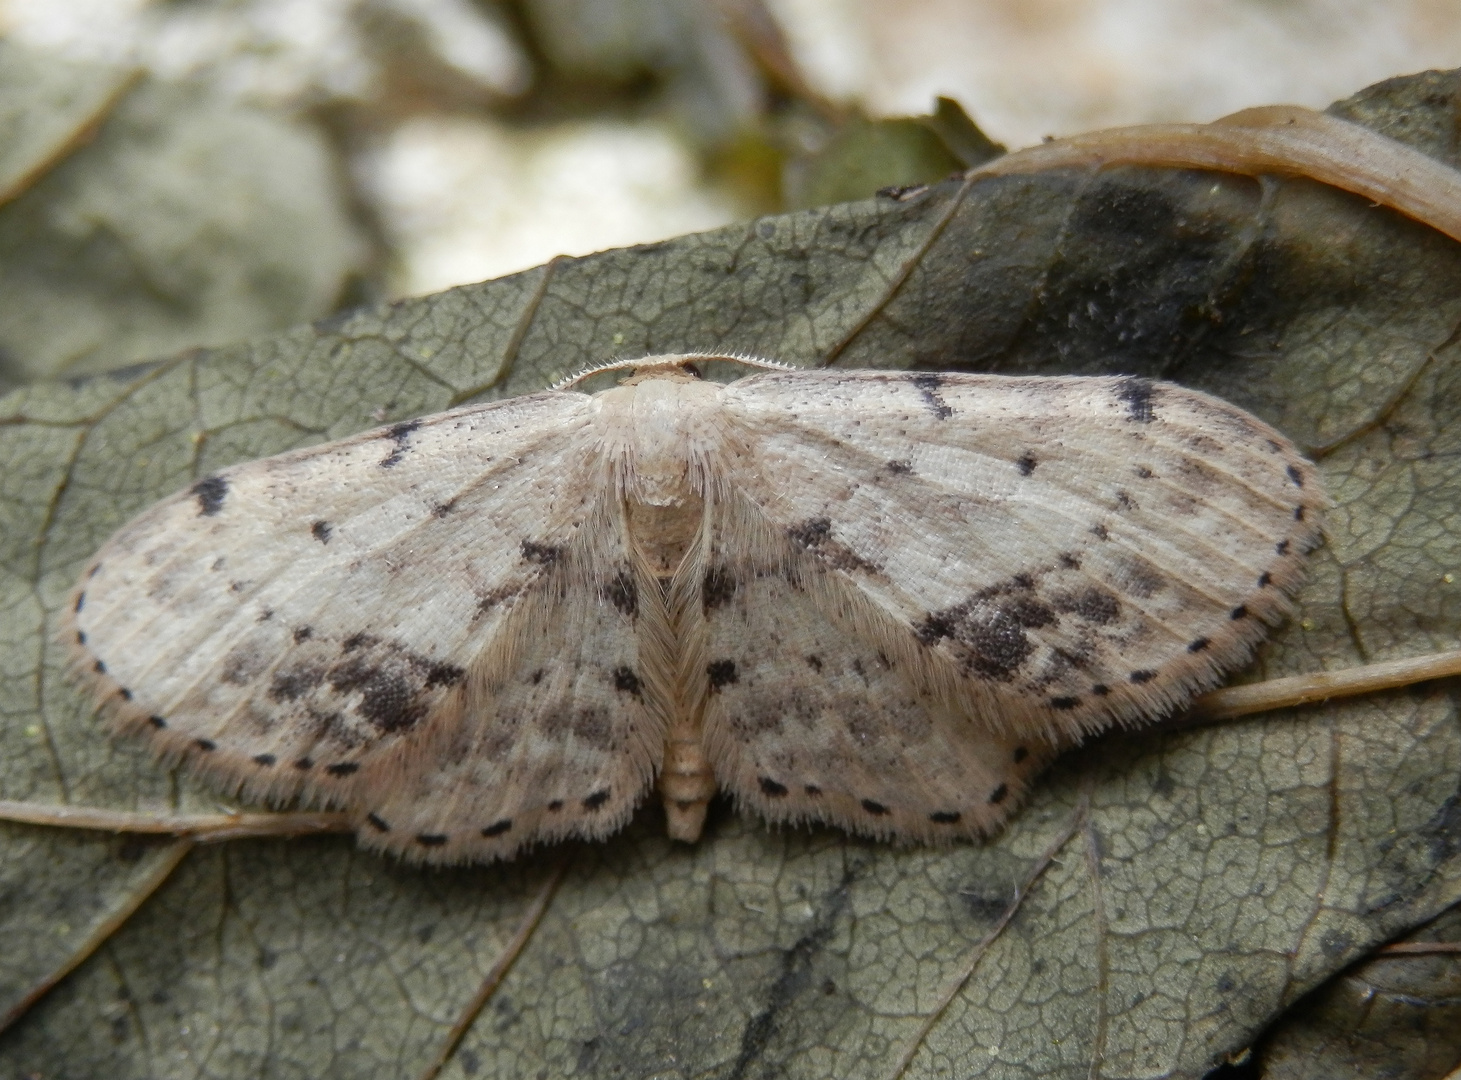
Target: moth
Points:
(880, 600)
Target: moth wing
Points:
(1031, 560)
(813, 713)
(557, 730)
(320, 623)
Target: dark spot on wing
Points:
(304, 764)
(1026, 464)
(1139, 577)
(497, 828)
(722, 673)
(812, 789)
(877, 809)
(991, 625)
(441, 510)
(623, 593)
(433, 839)
(487, 601)
(437, 673)
(1100, 689)
(80, 638)
(387, 699)
(1143, 676)
(1136, 394)
(1143, 472)
(80, 600)
(542, 554)
(994, 644)
(1094, 605)
(99, 668)
(205, 744)
(627, 681)
(945, 817)
(1125, 501)
(400, 435)
(360, 640)
(1029, 611)
(536, 677)
(1239, 612)
(1265, 579)
(1296, 476)
(292, 683)
(1281, 547)
(391, 680)
(1064, 703)
(243, 664)
(899, 468)
(771, 787)
(1100, 532)
(597, 799)
(810, 534)
(343, 768)
(928, 385)
(378, 822)
(998, 794)
(816, 535)
(1198, 644)
(210, 493)
(717, 588)
(303, 633)
(1021, 753)
(157, 722)
(264, 759)
(814, 662)
(125, 693)
(321, 531)
(1298, 513)
(556, 805)
(1069, 560)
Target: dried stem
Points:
(1234, 701)
(1277, 139)
(966, 972)
(494, 977)
(140, 891)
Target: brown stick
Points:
(1278, 139)
(966, 972)
(1233, 701)
(510, 952)
(103, 930)
(205, 828)
(1418, 948)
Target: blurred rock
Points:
(187, 220)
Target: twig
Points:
(1281, 139)
(510, 953)
(103, 930)
(1234, 701)
(957, 983)
(204, 828)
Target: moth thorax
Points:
(665, 534)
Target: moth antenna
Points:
(678, 360)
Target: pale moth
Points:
(879, 600)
